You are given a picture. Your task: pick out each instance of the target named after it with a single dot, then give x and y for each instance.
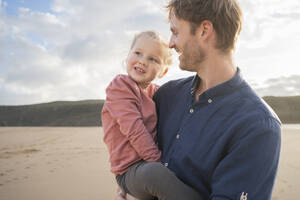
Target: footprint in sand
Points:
(9, 154)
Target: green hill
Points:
(87, 113)
(59, 113)
(287, 108)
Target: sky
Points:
(54, 50)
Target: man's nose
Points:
(171, 42)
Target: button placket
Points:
(191, 110)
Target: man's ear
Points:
(160, 75)
(205, 29)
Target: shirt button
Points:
(191, 110)
(209, 100)
(166, 164)
(177, 136)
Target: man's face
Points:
(191, 55)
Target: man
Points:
(214, 132)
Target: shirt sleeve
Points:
(122, 103)
(249, 168)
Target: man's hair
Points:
(225, 15)
(157, 37)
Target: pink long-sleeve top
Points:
(129, 124)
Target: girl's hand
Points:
(120, 195)
(123, 196)
(129, 197)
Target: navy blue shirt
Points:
(226, 145)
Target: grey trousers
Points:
(147, 180)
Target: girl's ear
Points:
(163, 72)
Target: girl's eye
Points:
(153, 60)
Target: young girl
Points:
(129, 124)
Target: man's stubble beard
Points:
(192, 56)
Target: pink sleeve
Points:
(122, 104)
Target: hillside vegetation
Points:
(60, 113)
(87, 113)
(287, 108)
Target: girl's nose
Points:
(142, 61)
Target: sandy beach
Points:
(43, 163)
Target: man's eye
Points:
(174, 33)
(137, 53)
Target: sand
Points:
(43, 163)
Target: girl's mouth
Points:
(139, 69)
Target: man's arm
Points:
(249, 168)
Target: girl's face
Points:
(145, 61)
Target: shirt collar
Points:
(221, 89)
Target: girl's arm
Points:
(122, 104)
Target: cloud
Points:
(72, 50)
(265, 21)
(270, 40)
(281, 86)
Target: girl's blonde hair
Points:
(156, 36)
